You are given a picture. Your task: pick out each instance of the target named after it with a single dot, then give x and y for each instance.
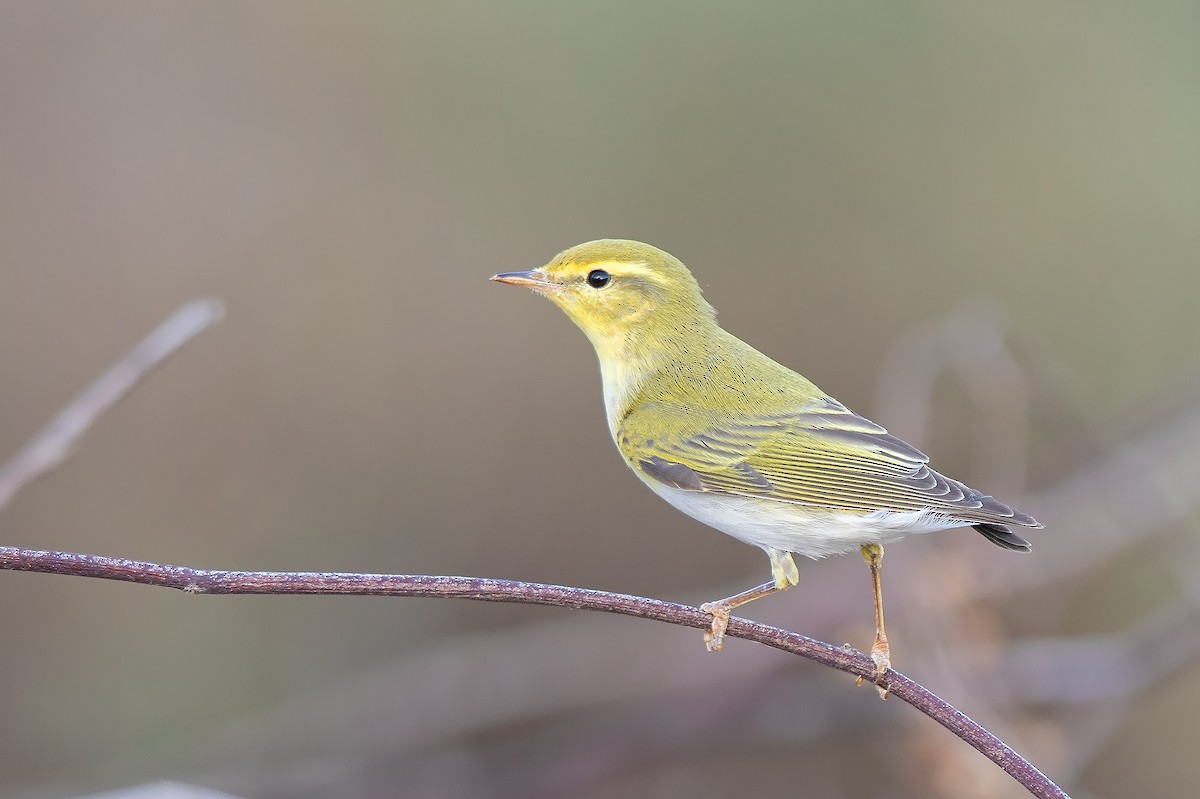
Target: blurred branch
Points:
(1103, 668)
(204, 581)
(970, 344)
(55, 442)
(161, 790)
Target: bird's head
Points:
(621, 293)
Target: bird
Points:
(741, 442)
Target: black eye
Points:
(598, 278)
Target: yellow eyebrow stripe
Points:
(628, 269)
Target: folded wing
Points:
(823, 455)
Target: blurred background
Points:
(976, 224)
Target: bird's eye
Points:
(598, 278)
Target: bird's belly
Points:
(809, 531)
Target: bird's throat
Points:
(636, 369)
(624, 375)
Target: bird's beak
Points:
(532, 279)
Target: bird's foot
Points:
(881, 657)
(714, 636)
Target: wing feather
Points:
(823, 455)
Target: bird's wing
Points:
(821, 455)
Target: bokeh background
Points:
(976, 223)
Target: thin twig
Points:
(54, 443)
(204, 581)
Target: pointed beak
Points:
(532, 279)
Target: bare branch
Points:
(54, 443)
(204, 581)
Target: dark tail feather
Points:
(1001, 536)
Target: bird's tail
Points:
(1001, 536)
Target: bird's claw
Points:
(714, 636)
(881, 657)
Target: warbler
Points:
(742, 443)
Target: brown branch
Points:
(204, 581)
(54, 443)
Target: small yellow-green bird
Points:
(740, 442)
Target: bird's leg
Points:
(783, 569)
(880, 651)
